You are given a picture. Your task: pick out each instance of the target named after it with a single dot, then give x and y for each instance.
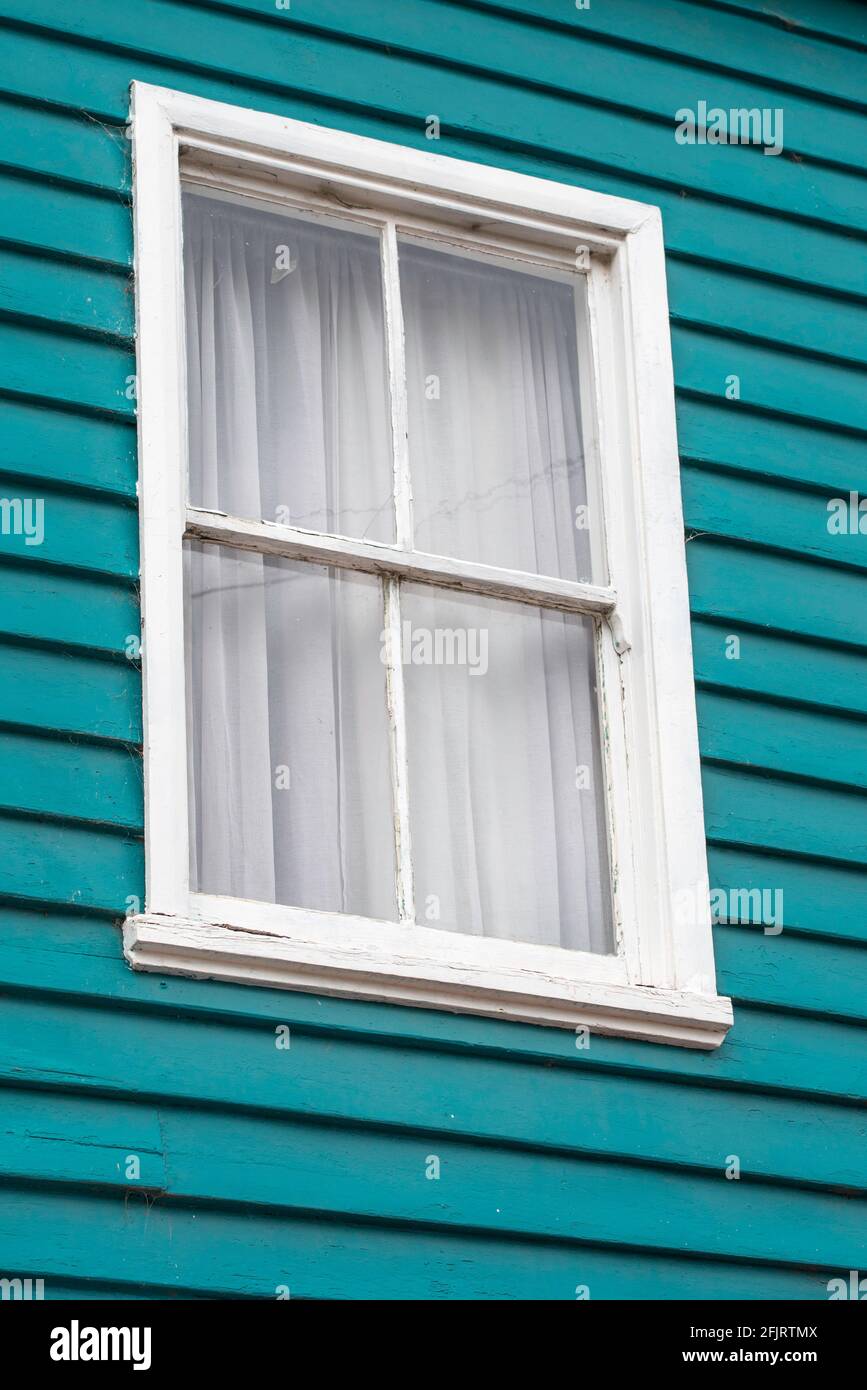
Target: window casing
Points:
(658, 980)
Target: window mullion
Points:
(398, 749)
(396, 350)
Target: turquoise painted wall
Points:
(306, 1167)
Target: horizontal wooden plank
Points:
(470, 104)
(61, 692)
(107, 1239)
(42, 775)
(82, 531)
(768, 591)
(53, 605)
(294, 1166)
(327, 1077)
(818, 391)
(63, 220)
(791, 971)
(825, 899)
(62, 368)
(711, 431)
(69, 864)
(50, 1137)
(794, 317)
(56, 145)
(767, 514)
(648, 83)
(744, 238)
(88, 451)
(738, 43)
(779, 667)
(354, 1172)
(76, 296)
(777, 739)
(768, 813)
(840, 19)
(786, 1056)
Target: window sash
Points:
(400, 561)
(393, 567)
(577, 596)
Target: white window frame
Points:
(659, 983)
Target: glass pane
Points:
(496, 455)
(290, 796)
(289, 415)
(505, 780)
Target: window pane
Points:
(505, 780)
(290, 797)
(494, 421)
(288, 399)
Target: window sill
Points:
(429, 969)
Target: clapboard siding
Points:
(95, 453)
(59, 692)
(742, 235)
(559, 1166)
(314, 1256)
(35, 287)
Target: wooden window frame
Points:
(659, 983)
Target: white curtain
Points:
(288, 777)
(506, 783)
(495, 438)
(289, 780)
(288, 396)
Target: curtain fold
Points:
(494, 418)
(288, 776)
(288, 399)
(506, 785)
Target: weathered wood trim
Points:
(269, 538)
(355, 959)
(160, 390)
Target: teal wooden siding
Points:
(559, 1167)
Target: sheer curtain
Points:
(506, 785)
(288, 774)
(289, 420)
(494, 419)
(288, 398)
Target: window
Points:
(419, 713)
